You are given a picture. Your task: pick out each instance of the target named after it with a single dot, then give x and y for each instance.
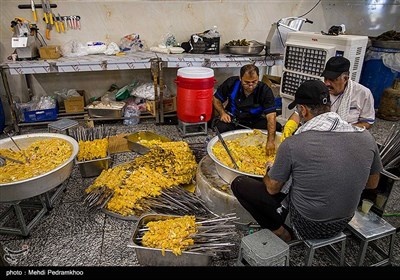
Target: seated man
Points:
(353, 102)
(249, 102)
(330, 163)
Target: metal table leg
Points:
(10, 100)
(49, 200)
(25, 227)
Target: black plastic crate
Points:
(205, 45)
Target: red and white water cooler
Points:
(195, 89)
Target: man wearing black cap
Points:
(352, 101)
(317, 163)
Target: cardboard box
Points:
(274, 83)
(169, 105)
(75, 103)
(50, 52)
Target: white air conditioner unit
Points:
(306, 54)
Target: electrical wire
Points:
(311, 9)
(277, 24)
(41, 40)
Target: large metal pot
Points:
(34, 186)
(227, 173)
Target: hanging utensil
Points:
(33, 8)
(221, 139)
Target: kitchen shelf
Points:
(131, 61)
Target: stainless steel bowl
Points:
(37, 185)
(252, 49)
(227, 173)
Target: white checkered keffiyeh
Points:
(344, 105)
(330, 121)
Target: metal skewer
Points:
(11, 159)
(15, 143)
(226, 148)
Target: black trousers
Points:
(253, 196)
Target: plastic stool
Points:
(370, 227)
(314, 244)
(263, 248)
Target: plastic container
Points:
(195, 89)
(375, 75)
(2, 118)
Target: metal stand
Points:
(49, 200)
(44, 205)
(190, 129)
(17, 207)
(370, 227)
(62, 125)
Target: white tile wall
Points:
(108, 21)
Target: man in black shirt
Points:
(249, 102)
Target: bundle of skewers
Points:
(148, 183)
(187, 233)
(91, 133)
(93, 142)
(172, 201)
(390, 149)
(199, 150)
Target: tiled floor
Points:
(70, 235)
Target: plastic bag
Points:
(131, 42)
(108, 97)
(96, 47)
(132, 112)
(112, 49)
(146, 91)
(168, 40)
(45, 102)
(125, 92)
(73, 49)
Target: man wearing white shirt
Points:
(352, 101)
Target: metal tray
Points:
(153, 257)
(105, 113)
(92, 168)
(134, 138)
(252, 49)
